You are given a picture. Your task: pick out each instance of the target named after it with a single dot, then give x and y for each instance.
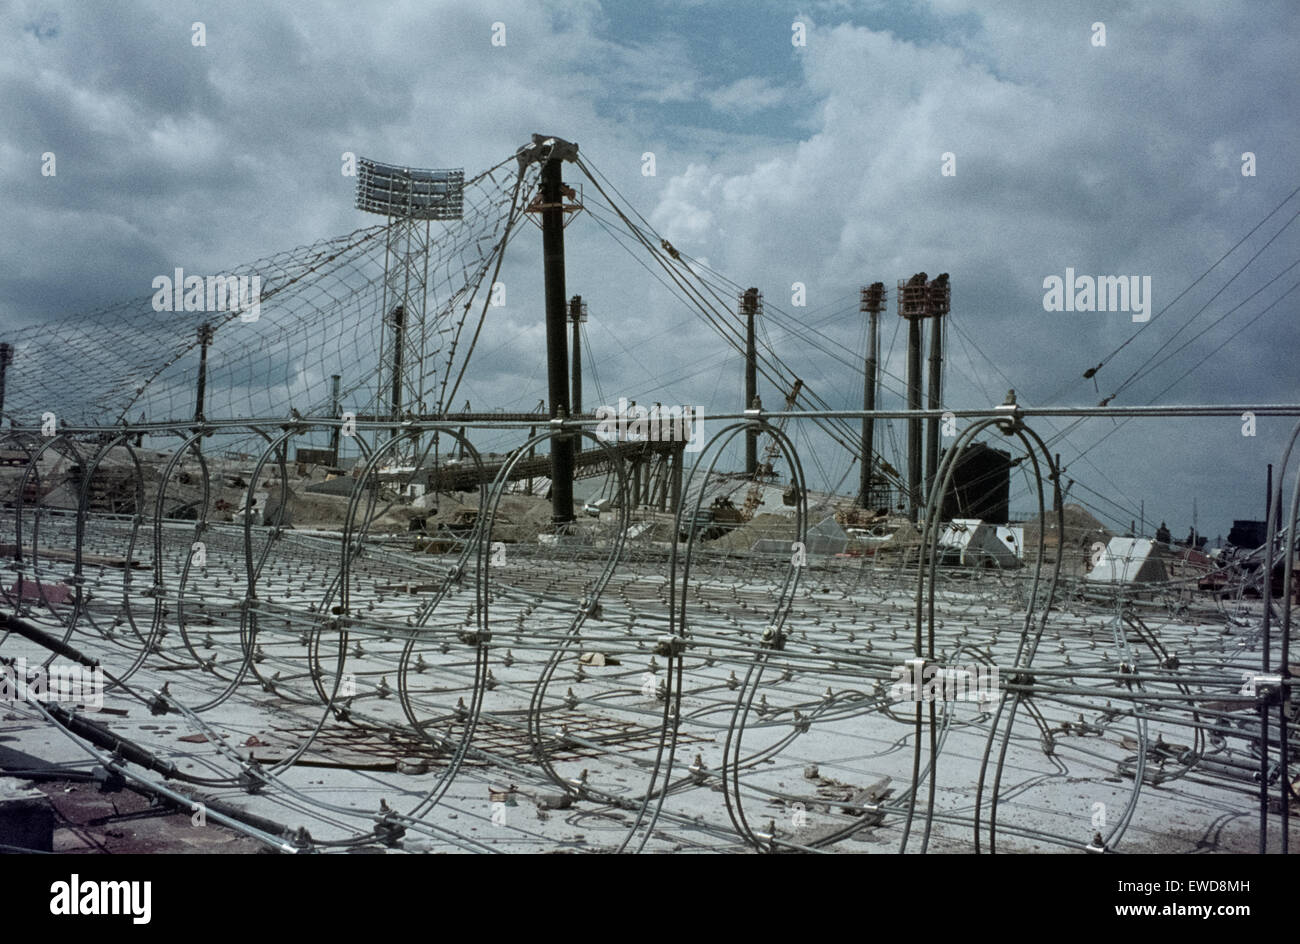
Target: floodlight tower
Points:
(409, 198)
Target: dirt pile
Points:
(1082, 530)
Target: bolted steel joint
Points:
(670, 646)
(1268, 689)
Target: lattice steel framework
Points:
(409, 198)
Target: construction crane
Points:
(755, 496)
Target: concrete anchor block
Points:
(26, 816)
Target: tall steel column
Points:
(679, 452)
(551, 152)
(749, 305)
(936, 308)
(397, 324)
(914, 424)
(918, 299)
(577, 315)
(911, 306)
(6, 358)
(334, 412)
(932, 403)
(873, 301)
(200, 393)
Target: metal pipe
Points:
(399, 323)
(749, 306)
(522, 420)
(200, 394)
(334, 412)
(205, 338)
(935, 385)
(914, 424)
(677, 457)
(6, 358)
(872, 301)
(575, 315)
(562, 451)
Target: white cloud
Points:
(746, 96)
(1119, 159)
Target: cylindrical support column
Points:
(872, 302)
(678, 455)
(1269, 511)
(460, 445)
(869, 403)
(557, 367)
(935, 394)
(532, 452)
(398, 318)
(205, 338)
(6, 358)
(914, 423)
(749, 306)
(575, 316)
(201, 385)
(335, 411)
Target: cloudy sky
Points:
(1104, 137)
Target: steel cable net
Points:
(638, 682)
(375, 659)
(318, 313)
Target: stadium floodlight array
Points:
(409, 192)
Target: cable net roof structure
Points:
(319, 645)
(326, 309)
(306, 314)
